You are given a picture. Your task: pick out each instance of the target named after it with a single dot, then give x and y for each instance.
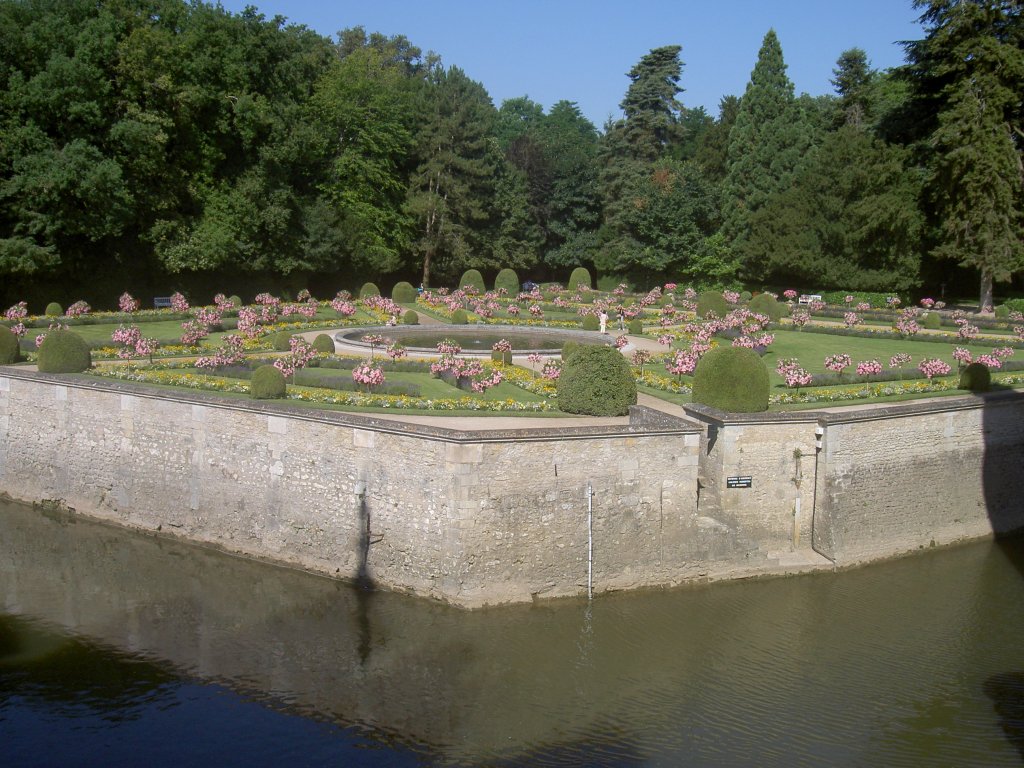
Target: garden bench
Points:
(809, 298)
(161, 302)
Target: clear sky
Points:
(581, 50)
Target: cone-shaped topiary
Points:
(472, 277)
(10, 352)
(765, 304)
(507, 279)
(281, 341)
(579, 277)
(459, 317)
(267, 383)
(403, 293)
(976, 377)
(410, 318)
(53, 309)
(64, 352)
(731, 379)
(596, 381)
(368, 289)
(324, 344)
(712, 301)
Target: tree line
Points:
(164, 142)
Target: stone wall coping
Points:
(851, 415)
(641, 424)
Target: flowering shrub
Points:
(300, 354)
(396, 351)
(800, 318)
(552, 369)
(230, 352)
(963, 356)
(733, 297)
(513, 309)
(851, 319)
(892, 302)
(899, 360)
(536, 311)
(863, 306)
(18, 311)
(906, 326)
(666, 339)
(343, 307)
(368, 375)
(838, 363)
(78, 309)
(849, 299)
(967, 331)
(621, 341)
(207, 316)
(180, 304)
(54, 326)
(448, 347)
(789, 294)
(504, 345)
(193, 331)
(797, 377)
(990, 361)
(933, 367)
(534, 358)
(927, 303)
(128, 303)
(640, 358)
(266, 300)
(683, 362)
(868, 367)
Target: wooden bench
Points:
(161, 302)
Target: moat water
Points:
(119, 649)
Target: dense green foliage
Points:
(403, 293)
(765, 304)
(460, 317)
(9, 350)
(368, 289)
(171, 145)
(64, 351)
(580, 277)
(508, 280)
(323, 344)
(281, 341)
(731, 379)
(591, 323)
(473, 279)
(596, 381)
(410, 317)
(53, 309)
(712, 301)
(976, 377)
(267, 383)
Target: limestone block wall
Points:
(470, 518)
(896, 479)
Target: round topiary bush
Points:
(459, 317)
(472, 278)
(281, 341)
(64, 352)
(53, 309)
(403, 293)
(568, 348)
(507, 279)
(1002, 311)
(596, 381)
(933, 320)
(636, 326)
(731, 379)
(324, 344)
(591, 323)
(745, 296)
(236, 300)
(976, 377)
(410, 318)
(10, 352)
(579, 277)
(368, 289)
(765, 304)
(712, 301)
(267, 383)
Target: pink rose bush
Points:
(933, 367)
(128, 303)
(838, 363)
(368, 375)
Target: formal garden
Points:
(730, 349)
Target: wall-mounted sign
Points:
(739, 482)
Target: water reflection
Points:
(904, 662)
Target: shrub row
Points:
(861, 334)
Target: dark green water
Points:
(119, 649)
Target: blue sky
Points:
(581, 50)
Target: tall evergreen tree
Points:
(968, 73)
(766, 144)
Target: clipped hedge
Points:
(591, 323)
(766, 304)
(635, 326)
(976, 377)
(367, 290)
(579, 277)
(459, 317)
(472, 277)
(10, 350)
(324, 344)
(281, 341)
(403, 293)
(267, 383)
(932, 321)
(507, 279)
(410, 318)
(596, 381)
(731, 379)
(53, 309)
(64, 352)
(712, 301)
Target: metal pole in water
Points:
(590, 541)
